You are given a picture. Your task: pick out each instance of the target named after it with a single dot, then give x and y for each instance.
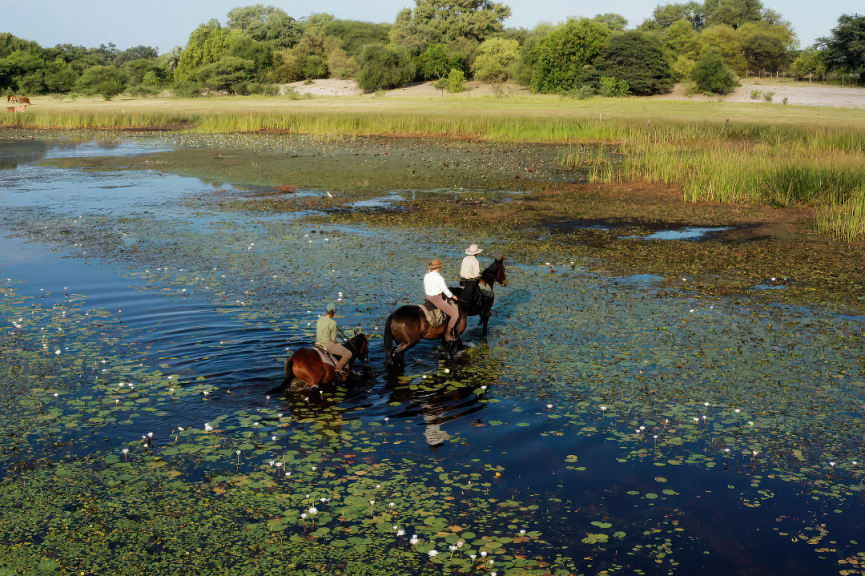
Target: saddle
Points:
(325, 356)
(434, 316)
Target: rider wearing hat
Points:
(436, 289)
(471, 268)
(325, 337)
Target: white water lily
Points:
(208, 427)
(433, 553)
(313, 510)
(400, 532)
(413, 540)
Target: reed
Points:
(845, 220)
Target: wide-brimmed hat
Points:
(473, 250)
(435, 264)
(331, 307)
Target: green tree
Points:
(809, 64)
(666, 15)
(229, 73)
(683, 68)
(496, 59)
(529, 53)
(723, 39)
(615, 22)
(207, 44)
(354, 35)
(713, 75)
(845, 49)
(638, 58)
(766, 47)
(136, 53)
(733, 13)
(383, 67)
(266, 24)
(434, 62)
(106, 81)
(60, 77)
(682, 40)
(564, 55)
(456, 81)
(447, 21)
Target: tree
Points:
(809, 64)
(266, 24)
(229, 73)
(106, 81)
(712, 74)
(496, 59)
(59, 77)
(683, 68)
(724, 40)
(615, 22)
(354, 35)
(529, 53)
(845, 48)
(136, 53)
(565, 53)
(639, 59)
(682, 40)
(207, 44)
(666, 15)
(447, 21)
(383, 67)
(733, 12)
(766, 47)
(434, 62)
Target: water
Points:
(689, 233)
(135, 277)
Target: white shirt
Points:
(434, 284)
(471, 268)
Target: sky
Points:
(167, 23)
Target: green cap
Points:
(331, 308)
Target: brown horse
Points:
(408, 326)
(305, 369)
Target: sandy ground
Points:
(797, 94)
(332, 87)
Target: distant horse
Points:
(478, 303)
(306, 367)
(24, 100)
(408, 325)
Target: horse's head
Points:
(501, 276)
(359, 345)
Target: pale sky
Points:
(167, 23)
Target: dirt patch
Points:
(323, 87)
(796, 93)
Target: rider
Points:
(325, 337)
(436, 289)
(470, 277)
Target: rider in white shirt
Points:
(436, 290)
(471, 268)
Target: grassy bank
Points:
(715, 151)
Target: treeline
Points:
(707, 45)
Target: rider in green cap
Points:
(325, 336)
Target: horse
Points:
(480, 304)
(24, 100)
(408, 325)
(306, 366)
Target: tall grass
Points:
(843, 220)
(721, 161)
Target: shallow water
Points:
(625, 424)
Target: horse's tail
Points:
(289, 374)
(388, 342)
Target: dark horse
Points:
(305, 367)
(477, 303)
(408, 326)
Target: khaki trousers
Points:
(339, 351)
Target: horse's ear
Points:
(500, 259)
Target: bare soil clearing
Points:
(797, 94)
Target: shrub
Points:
(768, 96)
(188, 89)
(565, 53)
(640, 59)
(262, 89)
(107, 81)
(383, 67)
(434, 62)
(496, 59)
(584, 92)
(712, 75)
(682, 68)
(613, 88)
(456, 81)
(756, 94)
(229, 73)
